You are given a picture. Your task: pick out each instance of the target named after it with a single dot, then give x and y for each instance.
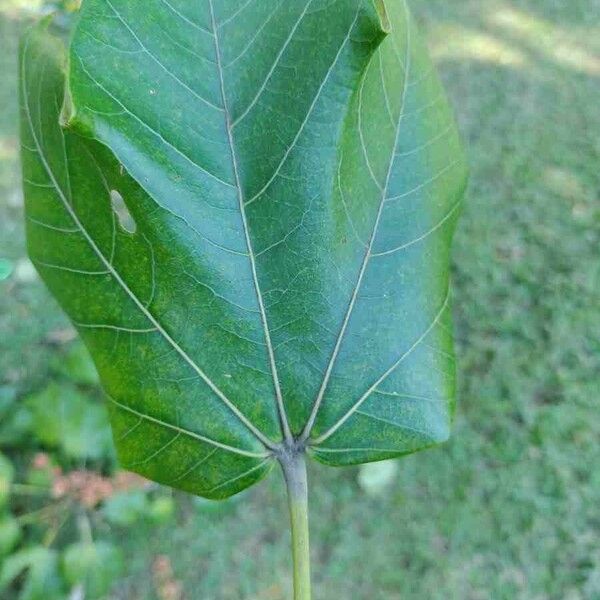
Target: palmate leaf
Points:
(292, 176)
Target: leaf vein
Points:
(383, 377)
(238, 477)
(184, 18)
(188, 433)
(423, 237)
(149, 128)
(280, 54)
(329, 370)
(70, 210)
(285, 428)
(287, 153)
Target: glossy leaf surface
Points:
(248, 214)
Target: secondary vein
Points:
(321, 394)
(110, 268)
(284, 423)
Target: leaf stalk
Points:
(293, 464)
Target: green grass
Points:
(510, 508)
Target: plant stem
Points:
(24, 489)
(294, 470)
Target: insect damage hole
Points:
(126, 219)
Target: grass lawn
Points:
(510, 508)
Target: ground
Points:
(510, 508)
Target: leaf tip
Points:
(382, 14)
(68, 111)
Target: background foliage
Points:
(510, 509)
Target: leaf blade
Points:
(58, 205)
(293, 176)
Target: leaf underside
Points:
(247, 210)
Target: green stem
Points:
(24, 489)
(294, 470)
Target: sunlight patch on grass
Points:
(460, 43)
(14, 9)
(8, 148)
(553, 42)
(564, 183)
(580, 198)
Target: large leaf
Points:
(291, 177)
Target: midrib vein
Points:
(114, 273)
(369, 251)
(283, 419)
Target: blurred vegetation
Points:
(510, 509)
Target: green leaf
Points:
(77, 365)
(6, 268)
(8, 396)
(7, 473)
(15, 427)
(248, 213)
(94, 565)
(125, 508)
(10, 534)
(42, 581)
(63, 417)
(43, 475)
(161, 509)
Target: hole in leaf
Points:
(126, 219)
